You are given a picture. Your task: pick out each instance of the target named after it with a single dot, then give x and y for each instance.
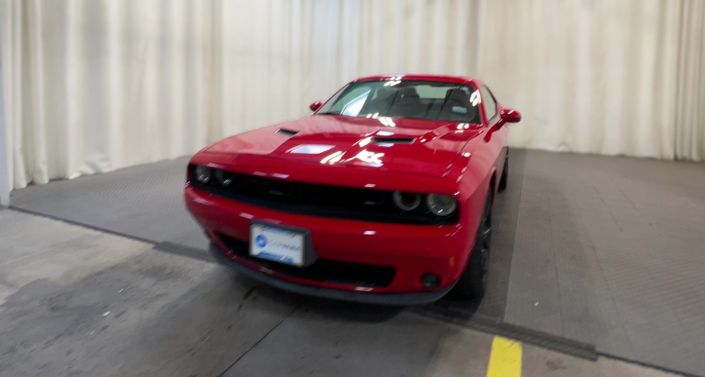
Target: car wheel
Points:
(473, 282)
(505, 175)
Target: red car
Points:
(384, 194)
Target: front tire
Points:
(473, 282)
(505, 175)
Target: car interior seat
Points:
(457, 107)
(407, 104)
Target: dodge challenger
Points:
(383, 194)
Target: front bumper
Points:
(411, 250)
(400, 299)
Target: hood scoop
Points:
(392, 140)
(287, 132)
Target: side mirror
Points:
(315, 106)
(510, 116)
(505, 116)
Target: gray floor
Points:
(80, 302)
(142, 202)
(610, 251)
(605, 251)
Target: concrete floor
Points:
(610, 252)
(79, 302)
(598, 255)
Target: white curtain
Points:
(600, 76)
(93, 85)
(90, 86)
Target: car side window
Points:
(490, 103)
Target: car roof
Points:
(419, 77)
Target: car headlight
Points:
(203, 173)
(406, 201)
(441, 204)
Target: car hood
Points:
(393, 144)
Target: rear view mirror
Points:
(315, 106)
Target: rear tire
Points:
(473, 282)
(505, 175)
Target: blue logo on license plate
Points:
(260, 240)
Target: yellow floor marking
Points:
(505, 358)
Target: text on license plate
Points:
(277, 244)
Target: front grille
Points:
(319, 200)
(363, 275)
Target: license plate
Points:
(277, 244)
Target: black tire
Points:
(473, 282)
(505, 175)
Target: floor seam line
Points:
(646, 364)
(567, 346)
(79, 224)
(221, 374)
(160, 246)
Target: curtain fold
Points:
(607, 77)
(690, 97)
(89, 86)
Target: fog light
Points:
(430, 280)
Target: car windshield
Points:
(430, 100)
